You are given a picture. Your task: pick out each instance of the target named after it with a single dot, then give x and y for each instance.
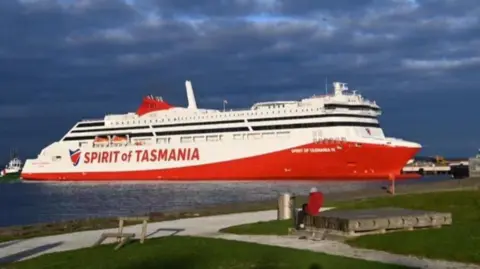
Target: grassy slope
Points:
(459, 242)
(190, 252)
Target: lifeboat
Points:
(117, 139)
(139, 143)
(100, 140)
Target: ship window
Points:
(254, 136)
(199, 138)
(212, 138)
(238, 136)
(163, 140)
(283, 134)
(268, 135)
(186, 139)
(352, 107)
(113, 129)
(90, 124)
(315, 125)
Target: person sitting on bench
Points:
(312, 207)
(315, 202)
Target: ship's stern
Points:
(30, 168)
(49, 162)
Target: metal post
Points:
(392, 184)
(294, 209)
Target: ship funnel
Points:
(192, 104)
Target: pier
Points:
(442, 167)
(427, 170)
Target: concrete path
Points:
(29, 248)
(209, 227)
(341, 249)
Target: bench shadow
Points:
(9, 243)
(276, 266)
(173, 231)
(27, 253)
(270, 261)
(177, 262)
(315, 266)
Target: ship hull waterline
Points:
(349, 162)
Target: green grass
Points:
(458, 242)
(178, 252)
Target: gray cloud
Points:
(105, 54)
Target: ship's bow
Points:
(401, 152)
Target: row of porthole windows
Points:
(208, 117)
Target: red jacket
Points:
(315, 202)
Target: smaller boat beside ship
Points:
(13, 169)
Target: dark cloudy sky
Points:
(63, 60)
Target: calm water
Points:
(28, 203)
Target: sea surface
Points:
(29, 203)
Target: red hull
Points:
(351, 162)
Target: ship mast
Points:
(13, 153)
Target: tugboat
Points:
(13, 168)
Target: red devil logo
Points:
(75, 156)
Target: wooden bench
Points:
(143, 219)
(123, 238)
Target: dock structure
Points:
(474, 167)
(427, 170)
(442, 168)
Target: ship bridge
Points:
(341, 98)
(273, 105)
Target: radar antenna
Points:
(339, 87)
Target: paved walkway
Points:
(208, 227)
(341, 249)
(29, 248)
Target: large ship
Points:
(335, 136)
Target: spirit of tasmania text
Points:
(142, 155)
